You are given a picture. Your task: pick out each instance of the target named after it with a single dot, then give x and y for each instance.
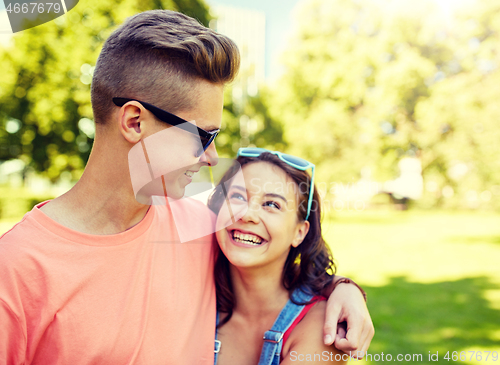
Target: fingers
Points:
(368, 333)
(331, 320)
(351, 342)
(341, 331)
(357, 340)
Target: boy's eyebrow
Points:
(210, 128)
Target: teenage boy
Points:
(94, 276)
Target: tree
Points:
(459, 121)
(45, 111)
(369, 82)
(248, 122)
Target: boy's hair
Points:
(158, 56)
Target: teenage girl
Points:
(273, 265)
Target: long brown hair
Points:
(309, 266)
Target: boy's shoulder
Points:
(24, 231)
(18, 245)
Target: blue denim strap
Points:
(271, 349)
(217, 342)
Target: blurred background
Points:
(397, 102)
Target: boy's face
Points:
(207, 115)
(171, 151)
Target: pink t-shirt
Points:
(137, 297)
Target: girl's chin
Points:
(241, 259)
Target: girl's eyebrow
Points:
(239, 187)
(274, 195)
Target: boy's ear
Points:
(300, 233)
(130, 120)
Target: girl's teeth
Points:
(247, 238)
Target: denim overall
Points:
(271, 349)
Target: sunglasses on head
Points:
(206, 138)
(295, 162)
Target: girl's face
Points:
(264, 235)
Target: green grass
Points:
(432, 278)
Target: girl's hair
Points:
(309, 266)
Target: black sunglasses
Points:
(206, 138)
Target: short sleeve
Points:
(12, 337)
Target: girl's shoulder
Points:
(305, 342)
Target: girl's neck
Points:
(258, 292)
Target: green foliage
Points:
(45, 111)
(369, 82)
(15, 202)
(248, 122)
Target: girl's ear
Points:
(300, 233)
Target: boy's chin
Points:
(176, 193)
(156, 188)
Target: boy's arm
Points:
(347, 303)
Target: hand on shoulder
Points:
(305, 344)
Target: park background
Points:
(363, 86)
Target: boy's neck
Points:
(102, 201)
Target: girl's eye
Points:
(237, 196)
(272, 204)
